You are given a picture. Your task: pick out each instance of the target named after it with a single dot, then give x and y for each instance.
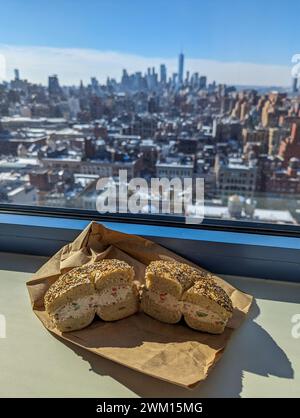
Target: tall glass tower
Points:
(180, 68)
(163, 74)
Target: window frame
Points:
(250, 227)
(220, 248)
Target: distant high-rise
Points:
(17, 74)
(195, 80)
(180, 68)
(187, 79)
(174, 78)
(53, 84)
(202, 82)
(163, 74)
(94, 83)
(295, 85)
(125, 79)
(137, 81)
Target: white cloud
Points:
(2, 67)
(73, 64)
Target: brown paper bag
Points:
(174, 353)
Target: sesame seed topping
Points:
(113, 266)
(84, 275)
(182, 273)
(213, 292)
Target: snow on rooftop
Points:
(261, 215)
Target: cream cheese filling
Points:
(165, 299)
(75, 309)
(112, 295)
(199, 312)
(86, 304)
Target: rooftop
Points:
(260, 215)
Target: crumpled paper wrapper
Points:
(174, 353)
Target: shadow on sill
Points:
(266, 289)
(21, 262)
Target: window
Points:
(72, 113)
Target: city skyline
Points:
(245, 143)
(73, 65)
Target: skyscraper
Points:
(125, 79)
(94, 83)
(180, 68)
(17, 74)
(163, 74)
(295, 83)
(202, 82)
(53, 84)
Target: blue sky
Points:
(257, 31)
(265, 31)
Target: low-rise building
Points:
(175, 167)
(235, 177)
